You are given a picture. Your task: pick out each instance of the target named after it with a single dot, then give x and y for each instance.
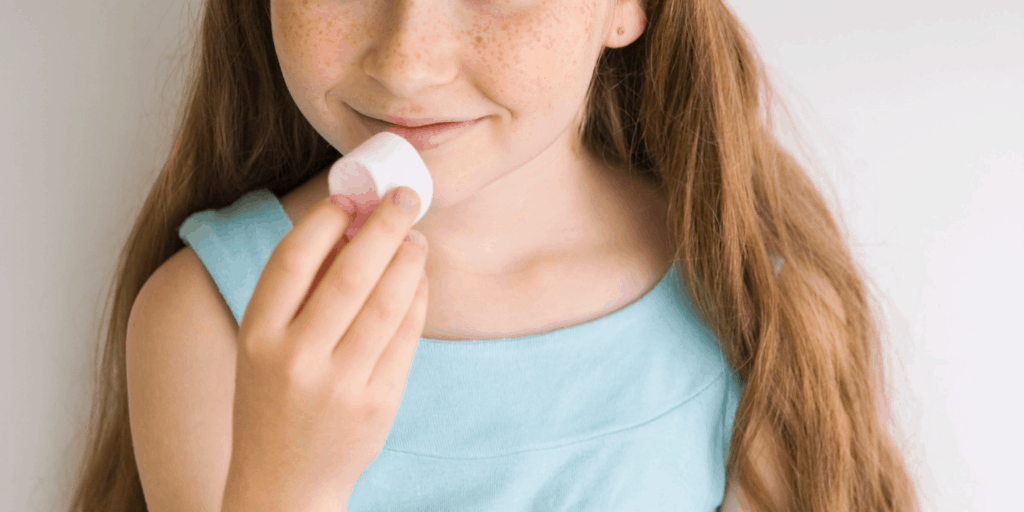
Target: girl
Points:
(608, 326)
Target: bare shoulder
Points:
(182, 289)
(180, 364)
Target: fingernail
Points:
(345, 204)
(405, 198)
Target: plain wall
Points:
(912, 108)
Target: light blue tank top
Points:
(632, 411)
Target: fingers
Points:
(375, 325)
(339, 297)
(392, 370)
(291, 268)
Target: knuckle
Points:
(263, 359)
(252, 346)
(394, 223)
(302, 369)
(348, 279)
(295, 372)
(382, 311)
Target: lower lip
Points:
(423, 137)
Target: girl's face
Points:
(524, 64)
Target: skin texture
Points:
(527, 232)
(515, 199)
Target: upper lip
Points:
(415, 123)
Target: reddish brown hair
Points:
(688, 106)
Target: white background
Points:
(913, 109)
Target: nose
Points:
(416, 48)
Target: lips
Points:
(413, 123)
(424, 137)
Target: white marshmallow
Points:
(382, 163)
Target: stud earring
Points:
(621, 31)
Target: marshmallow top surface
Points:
(382, 163)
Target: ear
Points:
(629, 17)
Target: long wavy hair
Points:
(686, 105)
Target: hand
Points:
(318, 383)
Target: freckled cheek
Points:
(309, 51)
(534, 65)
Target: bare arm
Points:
(181, 368)
(181, 355)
